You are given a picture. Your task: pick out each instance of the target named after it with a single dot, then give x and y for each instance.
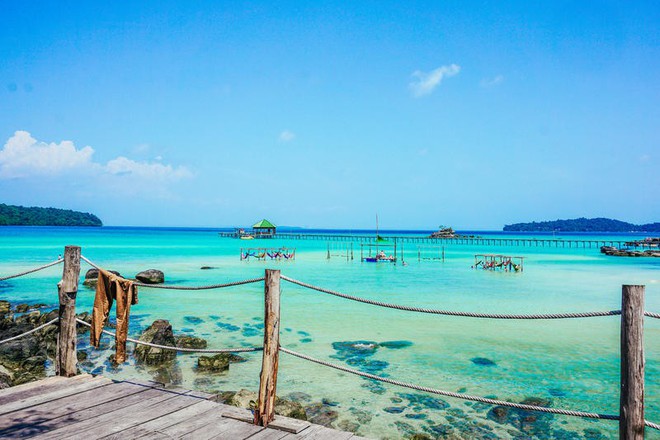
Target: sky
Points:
(469, 114)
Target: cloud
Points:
(24, 157)
(123, 166)
(287, 136)
(424, 83)
(490, 82)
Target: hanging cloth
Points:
(108, 288)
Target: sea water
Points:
(571, 364)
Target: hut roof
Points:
(263, 224)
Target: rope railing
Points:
(454, 313)
(652, 425)
(411, 386)
(36, 269)
(171, 287)
(180, 349)
(29, 332)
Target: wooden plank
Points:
(281, 423)
(631, 407)
(49, 382)
(126, 417)
(224, 428)
(66, 361)
(74, 388)
(165, 421)
(265, 411)
(68, 405)
(266, 434)
(180, 429)
(317, 432)
(89, 412)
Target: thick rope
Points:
(454, 313)
(652, 425)
(58, 261)
(169, 287)
(36, 329)
(181, 349)
(565, 412)
(652, 315)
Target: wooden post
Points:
(66, 359)
(265, 411)
(631, 409)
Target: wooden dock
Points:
(88, 407)
(462, 240)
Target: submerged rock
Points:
(151, 276)
(5, 307)
(218, 363)
(247, 399)
(193, 319)
(483, 361)
(159, 332)
(92, 276)
(321, 414)
(185, 341)
(396, 344)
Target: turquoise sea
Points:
(573, 363)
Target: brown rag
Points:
(108, 288)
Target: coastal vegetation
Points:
(12, 215)
(582, 225)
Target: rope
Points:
(652, 315)
(36, 329)
(181, 349)
(454, 313)
(211, 286)
(565, 412)
(58, 261)
(652, 425)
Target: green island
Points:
(582, 225)
(12, 215)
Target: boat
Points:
(247, 237)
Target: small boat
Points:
(247, 237)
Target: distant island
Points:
(582, 225)
(11, 215)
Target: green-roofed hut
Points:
(264, 229)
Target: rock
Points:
(244, 399)
(394, 409)
(184, 341)
(31, 318)
(396, 344)
(5, 307)
(289, 408)
(22, 308)
(298, 396)
(320, 414)
(483, 361)
(160, 332)
(348, 426)
(151, 276)
(193, 319)
(207, 267)
(218, 363)
(6, 377)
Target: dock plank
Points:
(125, 417)
(186, 426)
(224, 428)
(68, 405)
(287, 424)
(30, 389)
(77, 387)
(317, 432)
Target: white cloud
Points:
(23, 156)
(490, 82)
(287, 136)
(424, 83)
(123, 166)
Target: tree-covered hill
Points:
(11, 215)
(582, 225)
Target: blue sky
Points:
(322, 114)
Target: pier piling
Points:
(67, 362)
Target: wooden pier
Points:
(473, 241)
(88, 407)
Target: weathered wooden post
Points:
(67, 361)
(265, 411)
(631, 406)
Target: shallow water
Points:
(575, 363)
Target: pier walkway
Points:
(88, 407)
(463, 240)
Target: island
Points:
(582, 225)
(12, 215)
